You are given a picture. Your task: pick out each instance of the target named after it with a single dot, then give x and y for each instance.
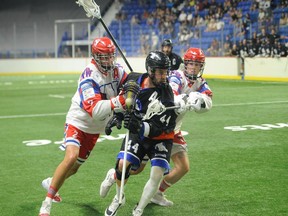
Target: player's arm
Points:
(93, 102)
(180, 100)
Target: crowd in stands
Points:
(255, 30)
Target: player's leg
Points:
(134, 157)
(159, 154)
(59, 177)
(110, 178)
(150, 189)
(181, 167)
(115, 205)
(75, 156)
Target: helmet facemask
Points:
(193, 69)
(104, 54)
(105, 62)
(194, 61)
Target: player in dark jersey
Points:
(151, 135)
(175, 60)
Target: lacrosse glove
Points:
(133, 122)
(151, 129)
(180, 101)
(195, 101)
(116, 120)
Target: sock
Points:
(164, 185)
(151, 186)
(51, 192)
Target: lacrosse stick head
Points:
(155, 107)
(91, 8)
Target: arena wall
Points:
(266, 69)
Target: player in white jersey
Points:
(184, 83)
(188, 82)
(92, 106)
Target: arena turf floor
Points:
(238, 152)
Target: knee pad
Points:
(119, 172)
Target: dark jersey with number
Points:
(175, 61)
(167, 119)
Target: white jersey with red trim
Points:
(182, 85)
(90, 109)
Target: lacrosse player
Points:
(175, 60)
(92, 105)
(188, 82)
(151, 136)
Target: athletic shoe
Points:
(137, 211)
(45, 209)
(160, 199)
(46, 184)
(107, 183)
(114, 206)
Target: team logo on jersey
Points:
(160, 147)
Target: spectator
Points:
(261, 17)
(263, 35)
(135, 20)
(273, 37)
(155, 41)
(182, 17)
(66, 53)
(211, 25)
(244, 49)
(254, 37)
(279, 50)
(214, 49)
(265, 49)
(185, 35)
(235, 50)
(150, 20)
(283, 19)
(227, 50)
(79, 53)
(219, 24)
(253, 48)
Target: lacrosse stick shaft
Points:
(93, 10)
(124, 167)
(172, 107)
(116, 44)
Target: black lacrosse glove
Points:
(116, 120)
(154, 129)
(133, 122)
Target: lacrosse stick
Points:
(156, 108)
(93, 10)
(132, 89)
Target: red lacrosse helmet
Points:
(194, 61)
(104, 54)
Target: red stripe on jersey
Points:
(164, 136)
(89, 104)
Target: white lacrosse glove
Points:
(194, 101)
(118, 103)
(180, 100)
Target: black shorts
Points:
(158, 151)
